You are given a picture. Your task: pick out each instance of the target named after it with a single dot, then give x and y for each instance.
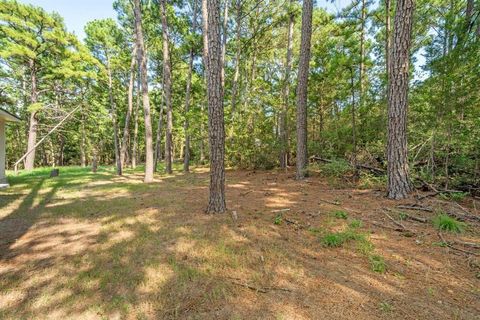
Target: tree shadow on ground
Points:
(151, 253)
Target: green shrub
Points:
(336, 168)
(444, 222)
(278, 219)
(333, 240)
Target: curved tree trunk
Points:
(398, 177)
(302, 86)
(216, 127)
(142, 61)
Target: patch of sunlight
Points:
(50, 298)
(10, 298)
(154, 277)
(237, 186)
(186, 231)
(183, 245)
(378, 284)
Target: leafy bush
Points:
(444, 222)
(336, 168)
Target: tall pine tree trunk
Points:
(142, 61)
(32, 129)
(398, 176)
(302, 86)
(286, 93)
(135, 125)
(113, 110)
(167, 76)
(216, 127)
(238, 34)
(126, 128)
(158, 140)
(186, 147)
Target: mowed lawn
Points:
(99, 246)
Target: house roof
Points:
(7, 116)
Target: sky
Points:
(77, 13)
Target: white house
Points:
(5, 117)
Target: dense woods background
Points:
(46, 72)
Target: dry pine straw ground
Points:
(85, 246)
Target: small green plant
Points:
(278, 219)
(314, 230)
(403, 216)
(333, 240)
(377, 263)
(355, 224)
(365, 247)
(339, 214)
(454, 196)
(385, 306)
(444, 222)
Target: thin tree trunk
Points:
(362, 52)
(286, 93)
(216, 127)
(83, 160)
(354, 127)
(142, 61)
(224, 39)
(135, 128)
(398, 176)
(158, 140)
(113, 110)
(186, 156)
(302, 87)
(167, 76)
(238, 34)
(387, 41)
(32, 129)
(126, 128)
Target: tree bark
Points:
(398, 176)
(158, 140)
(113, 110)
(302, 86)
(142, 61)
(238, 34)
(216, 127)
(126, 128)
(167, 76)
(286, 93)
(224, 39)
(186, 155)
(135, 127)
(32, 129)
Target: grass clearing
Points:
(98, 246)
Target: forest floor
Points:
(97, 246)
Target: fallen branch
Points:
(357, 166)
(335, 203)
(281, 210)
(260, 289)
(415, 207)
(411, 217)
(395, 221)
(448, 244)
(245, 193)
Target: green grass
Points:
(377, 263)
(444, 222)
(340, 214)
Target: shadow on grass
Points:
(149, 252)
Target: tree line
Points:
(250, 84)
